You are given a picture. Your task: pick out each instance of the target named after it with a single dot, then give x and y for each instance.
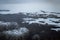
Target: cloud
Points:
(17, 1)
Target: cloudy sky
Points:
(17, 1)
(25, 1)
(28, 5)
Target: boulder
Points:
(8, 26)
(16, 34)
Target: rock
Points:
(21, 33)
(8, 26)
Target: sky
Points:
(25, 1)
(28, 5)
(16, 1)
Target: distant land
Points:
(4, 10)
